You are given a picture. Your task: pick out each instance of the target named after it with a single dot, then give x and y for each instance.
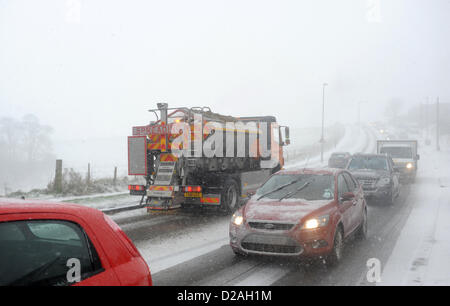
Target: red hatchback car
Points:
(305, 213)
(51, 244)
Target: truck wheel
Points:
(229, 197)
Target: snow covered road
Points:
(192, 249)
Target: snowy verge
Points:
(421, 253)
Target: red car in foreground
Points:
(47, 244)
(303, 213)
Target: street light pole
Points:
(322, 139)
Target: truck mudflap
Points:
(162, 198)
(162, 204)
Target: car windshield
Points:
(368, 162)
(309, 187)
(397, 152)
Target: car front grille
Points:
(271, 248)
(271, 244)
(367, 183)
(269, 226)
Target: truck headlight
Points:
(384, 181)
(409, 166)
(237, 219)
(316, 222)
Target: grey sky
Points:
(98, 76)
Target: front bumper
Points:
(288, 243)
(406, 172)
(371, 188)
(377, 192)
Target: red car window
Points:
(40, 252)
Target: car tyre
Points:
(338, 245)
(238, 254)
(362, 230)
(390, 198)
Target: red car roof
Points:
(10, 206)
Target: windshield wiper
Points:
(289, 194)
(279, 188)
(28, 278)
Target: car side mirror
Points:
(347, 196)
(250, 194)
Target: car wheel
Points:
(362, 231)
(338, 245)
(389, 200)
(238, 254)
(230, 196)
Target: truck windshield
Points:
(319, 187)
(368, 162)
(397, 152)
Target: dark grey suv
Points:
(377, 176)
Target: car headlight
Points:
(384, 181)
(409, 166)
(237, 219)
(316, 222)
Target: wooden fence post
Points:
(58, 176)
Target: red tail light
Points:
(192, 189)
(136, 187)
